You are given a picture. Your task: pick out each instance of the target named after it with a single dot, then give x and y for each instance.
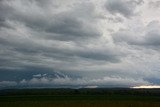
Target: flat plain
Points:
(112, 97)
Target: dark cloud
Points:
(43, 80)
(71, 28)
(67, 25)
(152, 38)
(35, 36)
(123, 7)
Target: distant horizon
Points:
(88, 87)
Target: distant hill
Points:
(82, 91)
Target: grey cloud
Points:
(40, 39)
(106, 55)
(45, 4)
(138, 2)
(70, 28)
(155, 4)
(125, 36)
(85, 82)
(74, 25)
(115, 20)
(2, 23)
(31, 50)
(150, 38)
(123, 7)
(55, 58)
(68, 81)
(67, 25)
(25, 44)
(4, 84)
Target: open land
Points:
(100, 97)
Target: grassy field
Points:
(79, 98)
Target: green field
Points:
(80, 98)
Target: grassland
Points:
(80, 98)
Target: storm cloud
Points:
(125, 8)
(63, 43)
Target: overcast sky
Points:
(81, 43)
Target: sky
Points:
(79, 43)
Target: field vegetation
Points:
(80, 98)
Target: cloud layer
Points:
(125, 8)
(80, 43)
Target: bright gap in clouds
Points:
(146, 86)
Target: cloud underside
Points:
(149, 37)
(66, 81)
(125, 8)
(39, 39)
